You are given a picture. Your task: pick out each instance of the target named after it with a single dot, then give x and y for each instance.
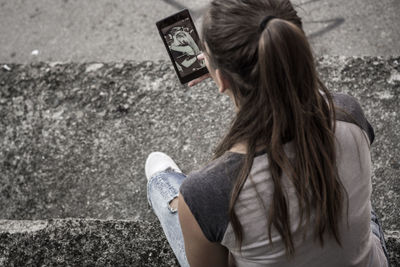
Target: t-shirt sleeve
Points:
(207, 194)
(348, 109)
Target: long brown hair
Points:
(280, 98)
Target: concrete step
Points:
(83, 242)
(74, 136)
(89, 242)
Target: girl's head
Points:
(181, 38)
(245, 53)
(271, 74)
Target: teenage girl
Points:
(290, 183)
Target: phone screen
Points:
(182, 41)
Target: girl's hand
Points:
(198, 80)
(201, 78)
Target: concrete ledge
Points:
(82, 242)
(393, 247)
(74, 137)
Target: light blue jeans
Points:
(164, 186)
(377, 230)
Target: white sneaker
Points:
(158, 161)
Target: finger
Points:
(196, 81)
(200, 56)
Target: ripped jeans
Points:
(162, 188)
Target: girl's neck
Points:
(241, 148)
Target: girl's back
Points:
(358, 243)
(207, 194)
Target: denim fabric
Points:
(162, 188)
(376, 229)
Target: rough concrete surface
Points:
(78, 242)
(105, 30)
(74, 137)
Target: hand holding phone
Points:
(201, 78)
(183, 45)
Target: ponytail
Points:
(281, 99)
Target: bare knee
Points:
(173, 204)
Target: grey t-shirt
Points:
(207, 193)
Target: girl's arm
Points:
(199, 250)
(188, 62)
(184, 49)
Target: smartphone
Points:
(183, 45)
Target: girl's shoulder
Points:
(348, 109)
(207, 193)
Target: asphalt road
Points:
(106, 30)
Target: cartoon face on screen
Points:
(183, 48)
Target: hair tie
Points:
(264, 22)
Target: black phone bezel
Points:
(168, 21)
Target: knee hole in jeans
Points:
(173, 205)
